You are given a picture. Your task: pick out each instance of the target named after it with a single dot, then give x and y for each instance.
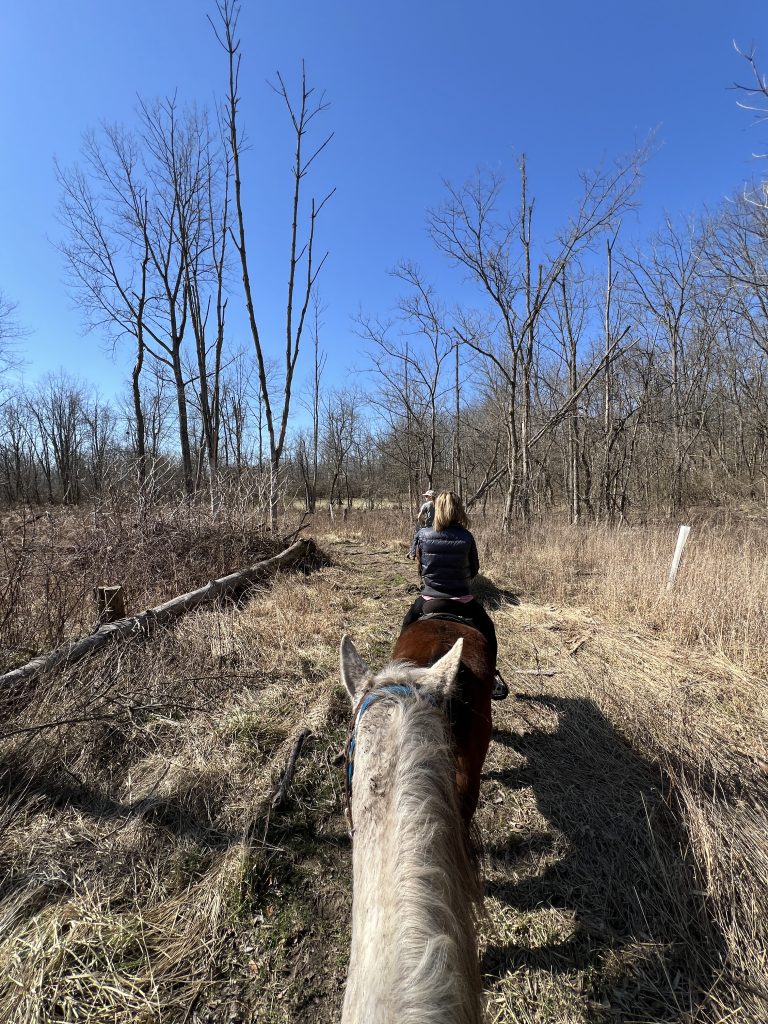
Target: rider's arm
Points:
(474, 559)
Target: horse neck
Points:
(414, 950)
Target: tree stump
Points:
(110, 604)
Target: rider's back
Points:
(449, 561)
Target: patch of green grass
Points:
(255, 731)
(188, 864)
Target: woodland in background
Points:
(581, 372)
(670, 407)
(581, 378)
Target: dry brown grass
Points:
(635, 776)
(50, 561)
(664, 807)
(146, 878)
(679, 678)
(134, 843)
(719, 603)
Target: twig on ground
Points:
(291, 537)
(282, 787)
(112, 717)
(578, 645)
(535, 671)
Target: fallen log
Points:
(146, 621)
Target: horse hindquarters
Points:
(422, 644)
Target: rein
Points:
(392, 689)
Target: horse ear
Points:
(444, 672)
(353, 668)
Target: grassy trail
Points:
(148, 879)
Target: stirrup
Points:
(500, 689)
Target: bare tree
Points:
(57, 408)
(145, 220)
(339, 439)
(99, 423)
(665, 277)
(104, 211)
(303, 269)
(409, 369)
(17, 449)
(498, 253)
(571, 310)
(205, 270)
(236, 413)
(307, 446)
(11, 331)
(756, 102)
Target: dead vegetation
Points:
(146, 877)
(50, 562)
(138, 792)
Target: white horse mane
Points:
(416, 883)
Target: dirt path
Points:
(583, 862)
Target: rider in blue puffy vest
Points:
(448, 562)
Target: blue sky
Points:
(419, 92)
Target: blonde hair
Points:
(449, 510)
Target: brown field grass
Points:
(146, 877)
(50, 561)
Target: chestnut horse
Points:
(420, 730)
(422, 643)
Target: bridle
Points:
(370, 698)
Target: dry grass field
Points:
(146, 877)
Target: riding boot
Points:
(500, 689)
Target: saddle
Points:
(464, 620)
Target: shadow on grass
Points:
(305, 837)
(641, 934)
(188, 813)
(490, 596)
(175, 813)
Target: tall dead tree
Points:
(308, 446)
(204, 283)
(458, 482)
(339, 436)
(144, 245)
(571, 312)
(303, 269)
(11, 331)
(104, 211)
(409, 358)
(613, 334)
(57, 408)
(665, 279)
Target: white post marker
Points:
(682, 537)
